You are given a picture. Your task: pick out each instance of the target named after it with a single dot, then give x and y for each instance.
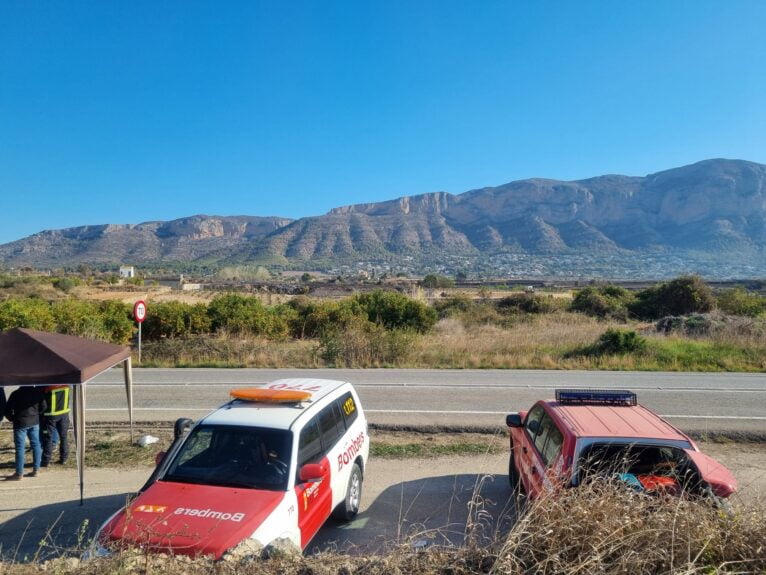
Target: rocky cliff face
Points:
(185, 239)
(716, 206)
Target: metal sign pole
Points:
(139, 342)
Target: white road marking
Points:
(453, 386)
(420, 411)
(743, 417)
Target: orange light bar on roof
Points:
(263, 395)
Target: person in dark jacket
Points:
(24, 408)
(55, 423)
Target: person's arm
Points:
(10, 407)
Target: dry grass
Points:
(537, 341)
(605, 528)
(546, 341)
(230, 351)
(602, 529)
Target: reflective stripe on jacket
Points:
(57, 397)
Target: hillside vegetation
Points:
(676, 325)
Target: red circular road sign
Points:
(139, 311)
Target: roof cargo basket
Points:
(595, 397)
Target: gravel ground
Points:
(404, 500)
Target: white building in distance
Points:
(127, 272)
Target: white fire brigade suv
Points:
(269, 466)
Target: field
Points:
(535, 342)
(679, 325)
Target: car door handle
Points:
(524, 449)
(534, 470)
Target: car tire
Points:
(349, 507)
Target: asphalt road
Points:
(693, 401)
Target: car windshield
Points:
(230, 456)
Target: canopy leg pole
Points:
(79, 435)
(127, 368)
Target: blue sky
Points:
(124, 112)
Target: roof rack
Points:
(595, 397)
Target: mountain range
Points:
(712, 212)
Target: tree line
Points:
(230, 313)
(384, 311)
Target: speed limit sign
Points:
(139, 311)
(139, 314)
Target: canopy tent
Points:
(29, 357)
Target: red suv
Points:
(586, 433)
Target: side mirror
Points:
(159, 457)
(513, 420)
(181, 426)
(312, 472)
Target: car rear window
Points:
(309, 444)
(348, 409)
(331, 426)
(552, 446)
(548, 440)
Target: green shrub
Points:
(310, 318)
(65, 284)
(239, 314)
(78, 317)
(681, 296)
(618, 341)
(394, 310)
(364, 344)
(437, 281)
(469, 312)
(119, 326)
(198, 320)
(30, 313)
(166, 319)
(530, 303)
(739, 301)
(603, 302)
(282, 318)
(454, 305)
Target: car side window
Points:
(348, 409)
(309, 444)
(532, 423)
(545, 428)
(552, 446)
(331, 426)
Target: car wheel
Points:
(349, 507)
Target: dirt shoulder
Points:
(405, 497)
